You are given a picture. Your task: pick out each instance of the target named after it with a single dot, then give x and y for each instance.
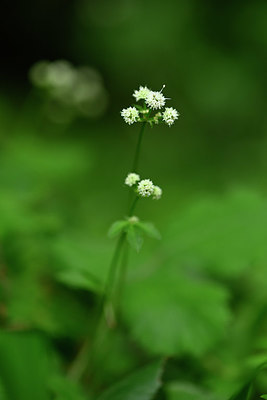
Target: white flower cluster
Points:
(157, 192)
(70, 91)
(153, 100)
(132, 179)
(141, 93)
(130, 115)
(170, 115)
(145, 187)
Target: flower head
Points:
(157, 192)
(170, 115)
(145, 188)
(141, 93)
(132, 179)
(130, 115)
(133, 220)
(155, 100)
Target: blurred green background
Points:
(199, 295)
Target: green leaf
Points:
(170, 313)
(226, 233)
(2, 391)
(149, 229)
(264, 396)
(117, 227)
(244, 393)
(81, 262)
(134, 237)
(24, 366)
(64, 389)
(141, 385)
(186, 391)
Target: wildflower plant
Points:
(130, 230)
(149, 110)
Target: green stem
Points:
(122, 276)
(113, 264)
(138, 147)
(132, 208)
(124, 262)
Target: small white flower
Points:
(141, 93)
(157, 193)
(130, 115)
(155, 100)
(133, 220)
(170, 115)
(145, 188)
(132, 179)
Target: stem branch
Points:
(138, 147)
(132, 208)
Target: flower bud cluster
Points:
(144, 187)
(152, 101)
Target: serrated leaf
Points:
(141, 385)
(226, 233)
(149, 229)
(134, 237)
(171, 313)
(117, 227)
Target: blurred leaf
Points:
(244, 393)
(141, 385)
(121, 358)
(60, 305)
(79, 279)
(24, 366)
(226, 233)
(117, 227)
(81, 262)
(149, 229)
(64, 389)
(17, 215)
(134, 237)
(31, 161)
(186, 391)
(171, 313)
(2, 391)
(264, 396)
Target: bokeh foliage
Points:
(198, 297)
